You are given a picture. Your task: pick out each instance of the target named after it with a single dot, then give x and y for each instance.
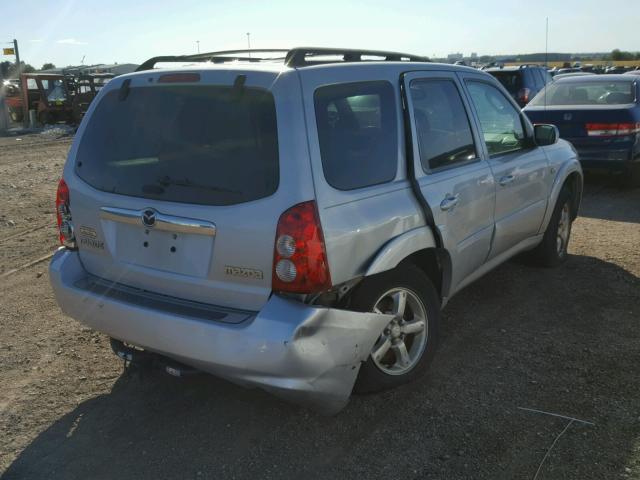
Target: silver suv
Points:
(296, 220)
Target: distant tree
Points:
(26, 68)
(620, 55)
(48, 66)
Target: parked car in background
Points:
(261, 222)
(523, 82)
(563, 71)
(87, 87)
(572, 74)
(599, 115)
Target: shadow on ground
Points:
(606, 198)
(524, 337)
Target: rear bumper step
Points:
(306, 354)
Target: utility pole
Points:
(15, 48)
(198, 44)
(546, 43)
(249, 43)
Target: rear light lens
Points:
(523, 95)
(63, 214)
(612, 129)
(300, 257)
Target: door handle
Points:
(449, 202)
(506, 180)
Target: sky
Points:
(129, 31)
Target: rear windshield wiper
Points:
(167, 181)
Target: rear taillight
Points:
(299, 257)
(63, 214)
(523, 95)
(612, 129)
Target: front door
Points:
(456, 182)
(519, 167)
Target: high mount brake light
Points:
(179, 78)
(63, 215)
(612, 129)
(300, 257)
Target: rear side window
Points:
(191, 144)
(442, 125)
(511, 80)
(358, 133)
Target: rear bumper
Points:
(614, 159)
(308, 355)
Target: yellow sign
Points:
(8, 51)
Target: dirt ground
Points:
(564, 341)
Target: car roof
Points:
(279, 67)
(596, 78)
(511, 68)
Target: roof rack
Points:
(306, 56)
(295, 57)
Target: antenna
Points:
(546, 65)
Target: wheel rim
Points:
(402, 342)
(564, 225)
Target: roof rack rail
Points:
(304, 56)
(216, 57)
(295, 57)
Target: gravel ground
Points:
(564, 341)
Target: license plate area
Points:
(172, 244)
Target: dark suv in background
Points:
(522, 82)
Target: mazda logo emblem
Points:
(149, 218)
(567, 117)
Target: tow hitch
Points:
(139, 358)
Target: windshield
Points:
(190, 144)
(586, 93)
(55, 91)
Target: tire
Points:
(632, 177)
(552, 251)
(398, 366)
(44, 118)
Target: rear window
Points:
(191, 144)
(512, 81)
(586, 93)
(358, 134)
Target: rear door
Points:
(454, 179)
(176, 184)
(519, 167)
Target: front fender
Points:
(399, 248)
(565, 167)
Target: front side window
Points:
(500, 120)
(442, 125)
(357, 131)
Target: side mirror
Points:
(545, 134)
